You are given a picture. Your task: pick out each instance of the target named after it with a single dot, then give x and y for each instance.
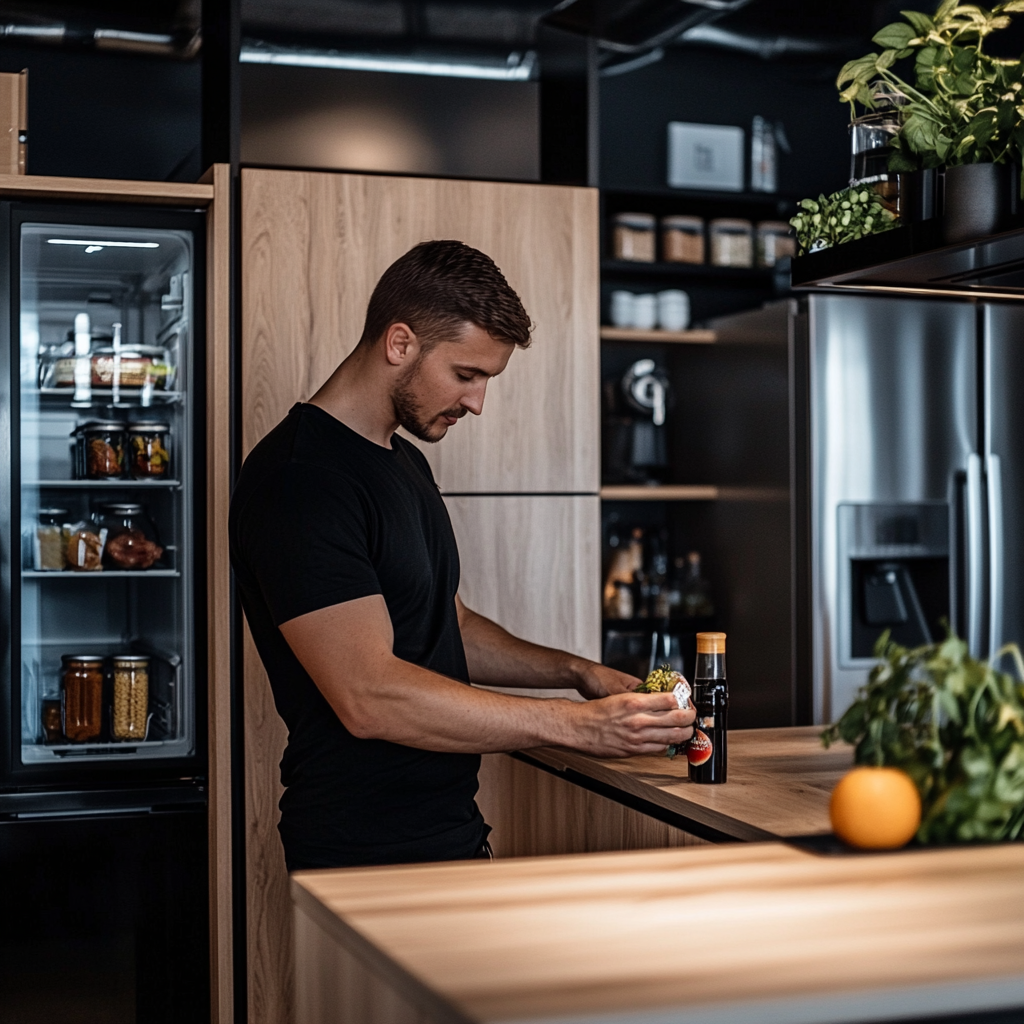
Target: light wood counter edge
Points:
(111, 190)
(374, 959)
(561, 760)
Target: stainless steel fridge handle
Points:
(994, 482)
(975, 554)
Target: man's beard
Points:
(411, 415)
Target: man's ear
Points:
(400, 344)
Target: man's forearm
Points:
(497, 658)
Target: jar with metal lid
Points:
(131, 537)
(682, 239)
(82, 697)
(633, 237)
(732, 242)
(131, 697)
(50, 539)
(99, 451)
(774, 240)
(148, 444)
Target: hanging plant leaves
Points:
(895, 36)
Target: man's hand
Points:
(630, 723)
(595, 680)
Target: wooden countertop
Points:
(744, 933)
(779, 783)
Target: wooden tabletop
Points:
(779, 783)
(757, 933)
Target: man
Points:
(348, 574)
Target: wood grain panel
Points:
(13, 120)
(533, 565)
(780, 781)
(269, 934)
(333, 986)
(108, 190)
(218, 484)
(536, 814)
(314, 245)
(746, 934)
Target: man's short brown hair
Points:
(437, 287)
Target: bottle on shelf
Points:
(617, 598)
(695, 591)
(708, 750)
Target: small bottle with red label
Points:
(707, 752)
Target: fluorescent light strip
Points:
(521, 72)
(113, 245)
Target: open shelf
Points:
(35, 574)
(691, 492)
(103, 484)
(739, 275)
(694, 337)
(104, 397)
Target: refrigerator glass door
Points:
(103, 487)
(1004, 457)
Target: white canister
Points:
(622, 308)
(645, 312)
(673, 310)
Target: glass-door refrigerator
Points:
(102, 509)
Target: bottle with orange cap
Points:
(707, 752)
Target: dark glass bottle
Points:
(708, 751)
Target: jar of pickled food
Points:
(131, 697)
(50, 539)
(148, 453)
(82, 697)
(99, 451)
(131, 537)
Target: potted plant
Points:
(964, 112)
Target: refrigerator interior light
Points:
(95, 246)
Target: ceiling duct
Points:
(633, 26)
(763, 45)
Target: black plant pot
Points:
(978, 200)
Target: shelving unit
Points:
(702, 271)
(119, 485)
(694, 337)
(36, 574)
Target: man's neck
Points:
(360, 398)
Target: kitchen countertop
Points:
(779, 784)
(758, 933)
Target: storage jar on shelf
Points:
(130, 717)
(682, 239)
(148, 450)
(774, 240)
(732, 242)
(131, 537)
(82, 697)
(633, 237)
(99, 450)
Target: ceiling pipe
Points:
(177, 45)
(764, 46)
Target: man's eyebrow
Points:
(465, 368)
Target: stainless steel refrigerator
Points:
(102, 587)
(907, 470)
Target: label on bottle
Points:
(707, 751)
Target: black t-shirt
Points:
(322, 515)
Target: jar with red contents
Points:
(82, 697)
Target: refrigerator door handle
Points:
(994, 480)
(975, 555)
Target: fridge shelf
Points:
(98, 394)
(102, 484)
(35, 574)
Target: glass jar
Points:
(148, 454)
(51, 539)
(682, 239)
(131, 697)
(82, 697)
(131, 541)
(633, 237)
(50, 718)
(774, 241)
(99, 451)
(732, 242)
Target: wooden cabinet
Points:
(313, 247)
(520, 481)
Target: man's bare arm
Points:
(347, 650)
(497, 658)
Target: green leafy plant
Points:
(965, 107)
(956, 726)
(842, 217)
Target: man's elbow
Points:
(361, 721)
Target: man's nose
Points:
(474, 400)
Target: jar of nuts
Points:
(131, 697)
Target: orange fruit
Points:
(875, 808)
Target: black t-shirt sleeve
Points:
(306, 538)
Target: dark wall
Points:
(718, 87)
(415, 124)
(103, 115)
